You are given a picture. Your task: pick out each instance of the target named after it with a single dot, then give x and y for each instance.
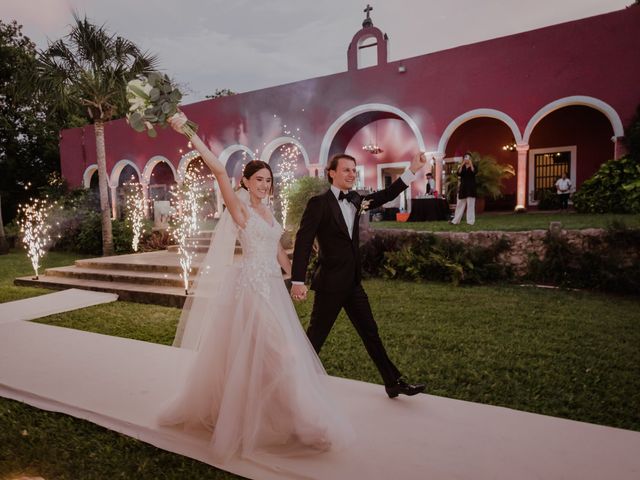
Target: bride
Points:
(254, 379)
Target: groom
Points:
(332, 218)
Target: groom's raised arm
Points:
(304, 239)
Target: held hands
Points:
(419, 161)
(299, 292)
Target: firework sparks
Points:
(35, 229)
(187, 202)
(290, 153)
(135, 208)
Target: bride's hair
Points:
(251, 168)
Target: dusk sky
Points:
(247, 45)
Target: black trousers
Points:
(327, 306)
(564, 200)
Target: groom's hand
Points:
(419, 161)
(299, 292)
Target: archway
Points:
(288, 160)
(488, 135)
(125, 171)
(392, 130)
(573, 139)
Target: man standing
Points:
(332, 218)
(431, 184)
(563, 187)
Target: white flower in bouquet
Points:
(153, 100)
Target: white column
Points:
(521, 176)
(316, 167)
(145, 194)
(438, 159)
(619, 149)
(113, 189)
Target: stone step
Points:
(152, 277)
(199, 249)
(151, 268)
(166, 279)
(164, 261)
(154, 294)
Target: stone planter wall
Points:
(523, 244)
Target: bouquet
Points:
(154, 99)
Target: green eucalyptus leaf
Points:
(154, 78)
(138, 91)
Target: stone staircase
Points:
(198, 244)
(152, 277)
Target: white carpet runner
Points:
(119, 383)
(52, 303)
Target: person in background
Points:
(467, 191)
(563, 189)
(431, 184)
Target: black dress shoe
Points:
(404, 388)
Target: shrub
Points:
(89, 237)
(614, 188)
(610, 263)
(298, 194)
(548, 199)
(420, 257)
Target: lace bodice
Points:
(259, 261)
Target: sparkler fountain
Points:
(35, 229)
(135, 207)
(187, 203)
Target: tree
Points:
(28, 130)
(221, 92)
(90, 68)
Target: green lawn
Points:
(519, 222)
(16, 264)
(563, 353)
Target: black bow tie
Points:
(351, 196)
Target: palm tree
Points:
(90, 68)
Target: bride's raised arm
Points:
(237, 209)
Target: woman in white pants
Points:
(466, 191)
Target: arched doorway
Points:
(288, 160)
(211, 201)
(573, 139)
(235, 164)
(487, 136)
(359, 130)
(128, 175)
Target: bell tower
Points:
(368, 37)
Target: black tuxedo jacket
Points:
(338, 255)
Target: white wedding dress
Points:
(255, 380)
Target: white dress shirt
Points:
(348, 209)
(563, 185)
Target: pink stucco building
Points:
(557, 97)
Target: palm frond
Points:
(90, 67)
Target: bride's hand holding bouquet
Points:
(154, 100)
